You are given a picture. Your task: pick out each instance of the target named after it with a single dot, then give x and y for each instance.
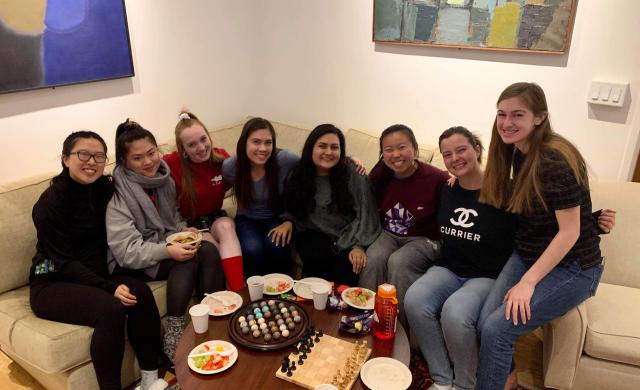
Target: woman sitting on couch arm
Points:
(332, 207)
(69, 278)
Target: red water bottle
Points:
(385, 312)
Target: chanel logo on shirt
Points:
(463, 217)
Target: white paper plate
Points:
(385, 373)
(217, 309)
(272, 280)
(213, 343)
(370, 302)
(302, 287)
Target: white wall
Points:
(319, 65)
(193, 53)
(308, 62)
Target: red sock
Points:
(233, 272)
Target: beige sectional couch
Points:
(596, 346)
(57, 354)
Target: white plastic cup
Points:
(325, 386)
(200, 317)
(256, 287)
(320, 295)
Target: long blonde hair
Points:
(186, 120)
(519, 197)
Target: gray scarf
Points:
(155, 224)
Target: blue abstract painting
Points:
(48, 43)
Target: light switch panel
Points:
(608, 94)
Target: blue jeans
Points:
(259, 255)
(562, 289)
(443, 309)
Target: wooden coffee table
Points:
(256, 369)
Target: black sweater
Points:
(70, 221)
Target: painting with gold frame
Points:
(49, 43)
(542, 26)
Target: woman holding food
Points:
(332, 207)
(69, 279)
(196, 169)
(140, 217)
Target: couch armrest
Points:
(562, 347)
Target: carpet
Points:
(528, 358)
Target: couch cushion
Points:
(621, 248)
(48, 345)
(17, 234)
(613, 330)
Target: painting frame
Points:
(561, 25)
(60, 45)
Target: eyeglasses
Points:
(84, 156)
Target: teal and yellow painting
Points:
(529, 25)
(48, 43)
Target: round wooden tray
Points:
(258, 343)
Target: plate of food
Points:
(359, 297)
(188, 237)
(302, 287)
(222, 303)
(385, 373)
(212, 357)
(276, 284)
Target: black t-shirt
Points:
(477, 239)
(561, 190)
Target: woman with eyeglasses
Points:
(332, 207)
(141, 215)
(196, 168)
(69, 278)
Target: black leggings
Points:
(90, 306)
(203, 271)
(320, 259)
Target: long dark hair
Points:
(243, 187)
(301, 185)
(126, 133)
(383, 174)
